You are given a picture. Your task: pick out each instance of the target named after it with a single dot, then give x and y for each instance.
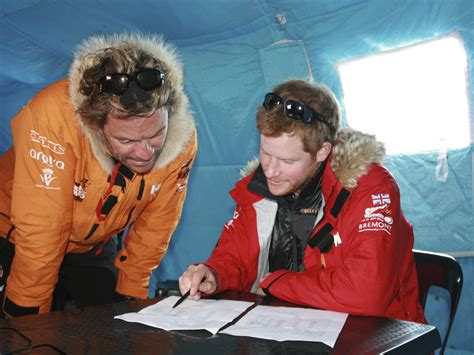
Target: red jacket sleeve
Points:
(235, 266)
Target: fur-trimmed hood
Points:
(181, 126)
(352, 156)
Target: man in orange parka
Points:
(105, 151)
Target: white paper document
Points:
(205, 314)
(290, 323)
(266, 322)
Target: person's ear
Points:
(323, 152)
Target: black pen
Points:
(186, 294)
(182, 298)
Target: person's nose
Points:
(145, 150)
(273, 168)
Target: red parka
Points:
(369, 270)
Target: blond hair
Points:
(123, 53)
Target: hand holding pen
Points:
(197, 280)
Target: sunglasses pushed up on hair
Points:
(118, 83)
(294, 110)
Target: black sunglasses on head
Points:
(294, 110)
(118, 83)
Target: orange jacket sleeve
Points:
(41, 199)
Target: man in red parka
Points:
(318, 220)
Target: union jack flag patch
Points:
(381, 199)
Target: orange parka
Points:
(56, 197)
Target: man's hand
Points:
(198, 279)
(260, 290)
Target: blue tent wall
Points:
(234, 52)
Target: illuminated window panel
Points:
(414, 98)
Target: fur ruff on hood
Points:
(180, 121)
(352, 156)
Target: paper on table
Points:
(290, 323)
(203, 314)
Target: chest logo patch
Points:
(230, 224)
(79, 189)
(155, 189)
(183, 176)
